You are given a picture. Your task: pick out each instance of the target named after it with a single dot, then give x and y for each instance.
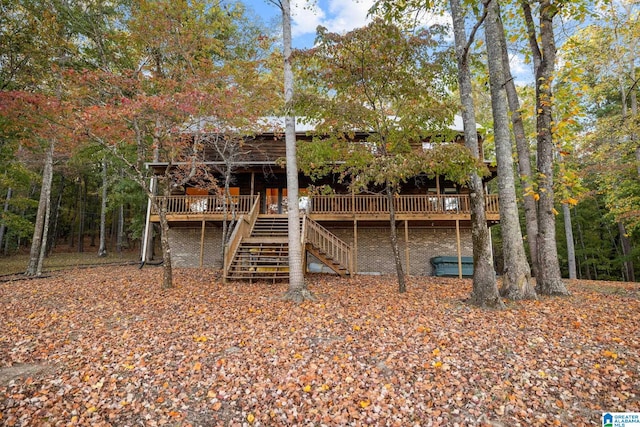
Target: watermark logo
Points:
(621, 419)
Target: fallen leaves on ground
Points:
(112, 348)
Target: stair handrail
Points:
(329, 243)
(243, 229)
(303, 229)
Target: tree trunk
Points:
(549, 280)
(582, 246)
(35, 264)
(102, 250)
(120, 229)
(225, 226)
(5, 249)
(53, 240)
(524, 155)
(516, 280)
(167, 268)
(150, 243)
(634, 112)
(82, 194)
(3, 225)
(73, 215)
(634, 107)
(149, 237)
(625, 244)
(485, 288)
(402, 285)
(92, 221)
(228, 224)
(45, 231)
(297, 287)
(633, 99)
(571, 249)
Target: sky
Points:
(336, 15)
(341, 16)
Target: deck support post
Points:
(406, 245)
(202, 243)
(459, 249)
(305, 257)
(354, 253)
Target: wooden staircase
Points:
(327, 247)
(264, 254)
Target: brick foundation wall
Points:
(185, 247)
(375, 254)
(374, 247)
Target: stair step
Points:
(264, 247)
(270, 233)
(265, 254)
(266, 263)
(259, 251)
(270, 227)
(265, 239)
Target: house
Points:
(343, 232)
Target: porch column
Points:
(253, 182)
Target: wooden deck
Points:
(331, 208)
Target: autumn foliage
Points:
(103, 347)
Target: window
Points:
(197, 199)
(451, 204)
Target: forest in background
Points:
(78, 78)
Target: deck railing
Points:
(242, 230)
(404, 204)
(328, 244)
(337, 204)
(177, 205)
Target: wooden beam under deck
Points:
(399, 217)
(441, 217)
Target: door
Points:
(276, 200)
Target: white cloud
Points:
(338, 16)
(520, 70)
(342, 16)
(306, 17)
(348, 14)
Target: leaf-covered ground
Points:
(105, 346)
